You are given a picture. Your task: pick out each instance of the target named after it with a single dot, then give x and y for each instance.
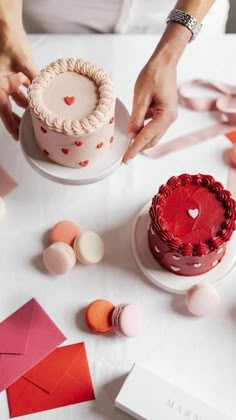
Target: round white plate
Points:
(165, 279)
(74, 176)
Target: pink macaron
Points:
(233, 156)
(202, 299)
(127, 320)
(59, 258)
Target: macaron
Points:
(98, 316)
(64, 231)
(89, 247)
(127, 320)
(2, 208)
(59, 258)
(202, 299)
(233, 155)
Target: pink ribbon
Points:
(225, 104)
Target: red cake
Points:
(192, 219)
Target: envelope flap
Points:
(15, 330)
(51, 370)
(79, 370)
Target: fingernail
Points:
(131, 135)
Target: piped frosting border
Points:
(67, 126)
(211, 244)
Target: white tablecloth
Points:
(196, 354)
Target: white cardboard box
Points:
(146, 396)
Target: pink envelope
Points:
(26, 337)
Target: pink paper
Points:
(26, 337)
(7, 183)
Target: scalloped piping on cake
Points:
(67, 126)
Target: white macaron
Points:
(2, 208)
(89, 248)
(59, 258)
(202, 299)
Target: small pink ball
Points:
(202, 299)
(233, 156)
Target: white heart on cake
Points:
(174, 268)
(197, 265)
(193, 213)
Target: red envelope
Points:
(26, 337)
(63, 378)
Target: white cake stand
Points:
(74, 176)
(165, 279)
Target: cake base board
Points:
(76, 176)
(164, 279)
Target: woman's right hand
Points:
(17, 68)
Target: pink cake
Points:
(72, 106)
(192, 219)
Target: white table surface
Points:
(196, 354)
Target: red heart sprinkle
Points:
(78, 143)
(111, 120)
(111, 139)
(43, 129)
(46, 152)
(99, 145)
(84, 163)
(69, 100)
(65, 151)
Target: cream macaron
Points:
(59, 258)
(89, 248)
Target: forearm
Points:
(176, 37)
(10, 19)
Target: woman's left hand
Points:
(155, 98)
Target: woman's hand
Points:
(17, 68)
(155, 93)
(155, 98)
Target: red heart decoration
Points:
(65, 151)
(78, 143)
(111, 139)
(99, 145)
(43, 129)
(111, 120)
(46, 152)
(84, 163)
(69, 100)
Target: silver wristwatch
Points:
(190, 22)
